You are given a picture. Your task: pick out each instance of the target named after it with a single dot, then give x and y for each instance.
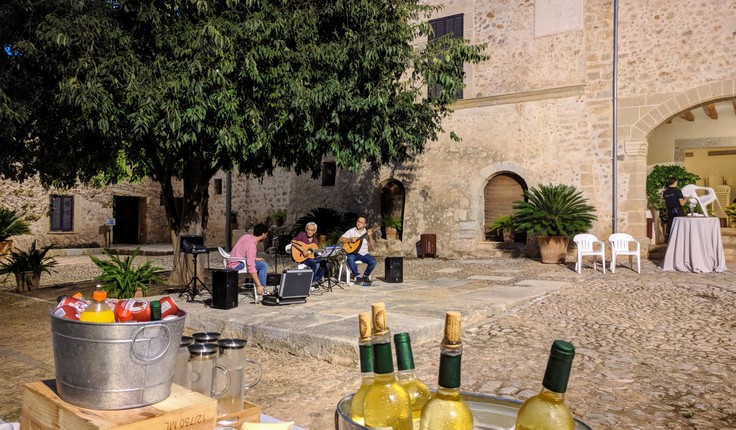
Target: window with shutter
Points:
(62, 213)
(452, 26)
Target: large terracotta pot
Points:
(27, 281)
(391, 233)
(552, 248)
(5, 246)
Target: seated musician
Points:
(358, 242)
(246, 248)
(303, 249)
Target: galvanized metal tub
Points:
(115, 366)
(489, 413)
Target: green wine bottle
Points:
(366, 367)
(446, 410)
(417, 390)
(547, 410)
(386, 404)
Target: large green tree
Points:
(100, 90)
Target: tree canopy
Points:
(99, 90)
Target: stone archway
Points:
(499, 195)
(393, 198)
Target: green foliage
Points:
(330, 222)
(121, 279)
(11, 224)
(99, 90)
(34, 260)
(503, 225)
(279, 214)
(657, 182)
(390, 220)
(553, 210)
(730, 210)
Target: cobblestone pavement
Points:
(654, 351)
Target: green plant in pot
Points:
(555, 213)
(657, 182)
(27, 266)
(504, 226)
(10, 225)
(392, 224)
(279, 217)
(121, 279)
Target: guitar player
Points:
(304, 245)
(360, 251)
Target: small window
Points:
(218, 186)
(450, 26)
(62, 213)
(329, 171)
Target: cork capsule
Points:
(380, 326)
(364, 326)
(452, 329)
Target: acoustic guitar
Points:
(352, 248)
(301, 251)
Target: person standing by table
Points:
(673, 201)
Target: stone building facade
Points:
(538, 111)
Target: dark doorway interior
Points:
(125, 211)
(392, 203)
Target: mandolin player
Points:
(304, 250)
(358, 242)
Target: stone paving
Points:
(655, 350)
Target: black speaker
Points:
(394, 269)
(224, 288)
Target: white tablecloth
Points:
(695, 245)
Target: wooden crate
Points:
(42, 409)
(250, 413)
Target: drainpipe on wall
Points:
(228, 198)
(614, 152)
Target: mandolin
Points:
(352, 248)
(301, 251)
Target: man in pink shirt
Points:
(246, 248)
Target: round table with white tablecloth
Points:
(695, 245)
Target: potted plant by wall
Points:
(121, 279)
(504, 226)
(279, 217)
(10, 225)
(555, 213)
(27, 266)
(392, 225)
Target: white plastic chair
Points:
(620, 245)
(586, 246)
(226, 258)
(344, 265)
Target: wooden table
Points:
(695, 246)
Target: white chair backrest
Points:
(691, 191)
(620, 241)
(223, 252)
(585, 241)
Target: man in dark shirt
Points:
(673, 200)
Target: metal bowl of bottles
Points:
(115, 365)
(489, 413)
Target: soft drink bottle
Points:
(66, 312)
(98, 311)
(168, 306)
(140, 309)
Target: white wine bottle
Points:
(547, 410)
(417, 390)
(386, 405)
(366, 367)
(445, 410)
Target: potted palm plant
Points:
(392, 225)
(554, 213)
(504, 226)
(27, 266)
(121, 279)
(10, 225)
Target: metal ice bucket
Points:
(115, 366)
(489, 413)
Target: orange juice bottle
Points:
(98, 311)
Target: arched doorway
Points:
(499, 195)
(393, 197)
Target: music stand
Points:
(330, 254)
(192, 288)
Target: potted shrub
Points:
(657, 182)
(121, 279)
(279, 217)
(27, 267)
(555, 213)
(504, 226)
(10, 225)
(392, 225)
